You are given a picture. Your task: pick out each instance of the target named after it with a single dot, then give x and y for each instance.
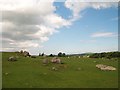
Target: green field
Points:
(31, 73)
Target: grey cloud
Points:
(22, 18)
(16, 37)
(19, 32)
(25, 27)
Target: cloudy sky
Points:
(70, 26)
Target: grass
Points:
(31, 73)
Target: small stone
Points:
(78, 69)
(54, 68)
(6, 73)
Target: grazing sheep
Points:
(12, 58)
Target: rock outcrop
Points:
(105, 67)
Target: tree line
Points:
(108, 55)
(60, 54)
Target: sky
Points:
(53, 26)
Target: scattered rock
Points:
(25, 53)
(54, 69)
(6, 73)
(12, 58)
(45, 61)
(105, 67)
(56, 60)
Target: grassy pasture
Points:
(31, 73)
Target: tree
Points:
(63, 54)
(59, 54)
(116, 54)
(39, 54)
(21, 51)
(103, 55)
(95, 55)
(51, 55)
(108, 55)
(42, 54)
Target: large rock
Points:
(105, 67)
(45, 61)
(56, 60)
(12, 58)
(25, 53)
(54, 69)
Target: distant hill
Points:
(82, 54)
